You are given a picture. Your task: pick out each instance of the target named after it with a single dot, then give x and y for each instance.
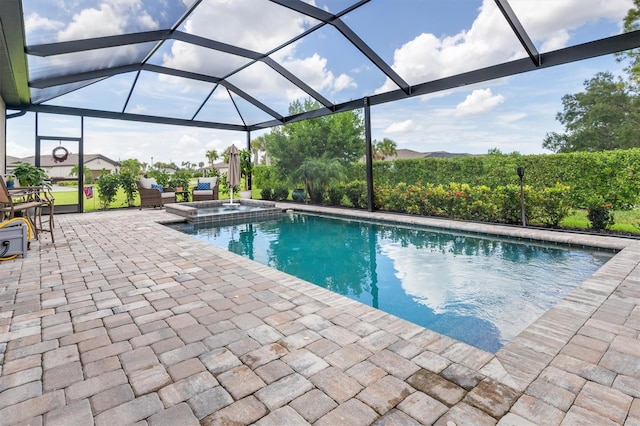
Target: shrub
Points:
(107, 184)
(599, 214)
(507, 199)
(553, 204)
(127, 181)
(317, 195)
(161, 177)
(280, 193)
(267, 194)
(179, 179)
(356, 192)
(335, 193)
(381, 196)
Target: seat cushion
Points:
(168, 194)
(205, 192)
(147, 182)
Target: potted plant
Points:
(10, 181)
(29, 175)
(179, 181)
(298, 194)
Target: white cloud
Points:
(343, 81)
(512, 117)
(228, 22)
(400, 127)
(138, 109)
(35, 22)
(478, 102)
(104, 20)
(16, 150)
(490, 40)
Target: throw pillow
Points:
(203, 186)
(156, 186)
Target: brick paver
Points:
(123, 326)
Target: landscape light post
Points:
(520, 171)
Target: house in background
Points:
(407, 154)
(62, 170)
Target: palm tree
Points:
(319, 172)
(212, 156)
(258, 145)
(225, 155)
(384, 149)
(88, 177)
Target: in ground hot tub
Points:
(222, 211)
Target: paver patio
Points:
(125, 321)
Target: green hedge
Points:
(501, 204)
(612, 175)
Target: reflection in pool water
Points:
(477, 290)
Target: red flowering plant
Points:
(599, 214)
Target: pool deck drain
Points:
(123, 320)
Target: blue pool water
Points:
(477, 290)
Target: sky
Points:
(422, 40)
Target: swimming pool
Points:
(482, 291)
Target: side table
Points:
(182, 196)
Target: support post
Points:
(369, 153)
(36, 161)
(81, 167)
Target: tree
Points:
(212, 156)
(383, 149)
(258, 145)
(132, 165)
(246, 167)
(632, 23)
(88, 177)
(337, 136)
(108, 185)
(318, 173)
(605, 116)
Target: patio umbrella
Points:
(233, 174)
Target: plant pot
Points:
(10, 184)
(298, 194)
(245, 194)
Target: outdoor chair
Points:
(206, 189)
(45, 196)
(20, 202)
(154, 195)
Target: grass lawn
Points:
(625, 221)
